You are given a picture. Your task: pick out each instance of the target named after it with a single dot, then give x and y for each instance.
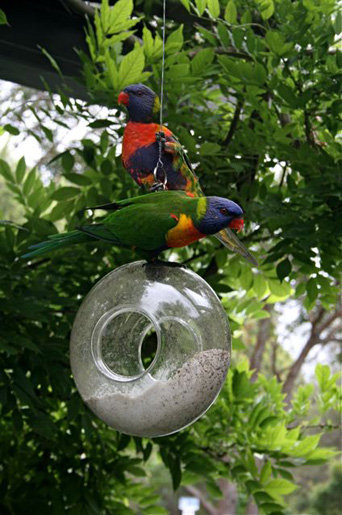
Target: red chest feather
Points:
(137, 135)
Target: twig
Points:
(283, 175)
(234, 123)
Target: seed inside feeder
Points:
(173, 404)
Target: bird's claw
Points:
(160, 136)
(158, 186)
(160, 262)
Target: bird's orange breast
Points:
(137, 135)
(184, 233)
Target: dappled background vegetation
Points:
(252, 91)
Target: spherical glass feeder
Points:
(150, 348)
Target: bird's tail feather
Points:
(57, 241)
(232, 242)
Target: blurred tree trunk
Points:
(264, 331)
(252, 509)
(227, 505)
(325, 328)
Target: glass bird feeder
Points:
(150, 348)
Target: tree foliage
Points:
(252, 92)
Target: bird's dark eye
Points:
(224, 211)
(139, 93)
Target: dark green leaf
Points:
(10, 128)
(20, 170)
(3, 18)
(65, 193)
(283, 269)
(99, 124)
(68, 161)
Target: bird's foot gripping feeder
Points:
(150, 349)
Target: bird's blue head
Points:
(142, 103)
(218, 214)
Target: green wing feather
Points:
(140, 222)
(182, 164)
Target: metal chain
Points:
(161, 135)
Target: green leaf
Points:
(208, 35)
(79, 179)
(260, 73)
(276, 42)
(230, 13)
(112, 70)
(265, 472)
(271, 508)
(178, 72)
(5, 171)
(283, 269)
(201, 5)
(260, 314)
(175, 41)
(259, 285)
(68, 161)
(214, 8)
(131, 68)
(60, 211)
(176, 472)
(338, 23)
(280, 290)
(99, 124)
(52, 61)
(266, 8)
(148, 42)
(279, 487)
(3, 18)
(11, 129)
(223, 34)
(155, 510)
(20, 170)
(208, 148)
(65, 193)
(119, 14)
(202, 61)
(312, 289)
(186, 4)
(29, 182)
(287, 94)
(214, 490)
(322, 373)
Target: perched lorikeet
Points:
(152, 223)
(140, 153)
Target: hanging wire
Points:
(160, 135)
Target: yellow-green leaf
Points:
(201, 5)
(131, 67)
(266, 8)
(279, 487)
(3, 18)
(230, 14)
(214, 8)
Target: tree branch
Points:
(264, 329)
(80, 7)
(314, 339)
(234, 123)
(196, 492)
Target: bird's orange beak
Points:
(237, 224)
(123, 98)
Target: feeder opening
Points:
(124, 344)
(148, 348)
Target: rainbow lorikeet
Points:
(140, 154)
(152, 223)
